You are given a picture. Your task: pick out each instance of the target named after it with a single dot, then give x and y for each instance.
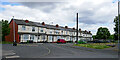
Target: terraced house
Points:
(24, 30)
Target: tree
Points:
(111, 37)
(102, 33)
(0, 31)
(94, 36)
(5, 29)
(116, 27)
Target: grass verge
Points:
(95, 46)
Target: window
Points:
(23, 27)
(58, 37)
(70, 38)
(61, 32)
(43, 37)
(31, 37)
(80, 33)
(51, 31)
(67, 38)
(38, 37)
(57, 32)
(33, 28)
(25, 37)
(50, 37)
(41, 30)
(66, 32)
(19, 37)
(74, 33)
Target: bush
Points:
(82, 42)
(29, 41)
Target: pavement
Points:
(53, 50)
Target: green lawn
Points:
(5, 42)
(94, 45)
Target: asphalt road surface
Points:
(52, 50)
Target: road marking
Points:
(9, 53)
(47, 49)
(39, 43)
(27, 45)
(12, 56)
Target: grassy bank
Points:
(5, 42)
(94, 45)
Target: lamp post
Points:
(14, 42)
(118, 27)
(77, 28)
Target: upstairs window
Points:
(41, 30)
(66, 32)
(61, 32)
(57, 32)
(50, 31)
(23, 27)
(74, 33)
(33, 28)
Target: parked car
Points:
(61, 41)
(82, 42)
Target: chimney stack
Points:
(43, 23)
(79, 29)
(66, 27)
(26, 21)
(89, 31)
(57, 25)
(73, 28)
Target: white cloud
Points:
(92, 13)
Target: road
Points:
(52, 50)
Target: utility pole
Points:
(118, 27)
(14, 42)
(77, 29)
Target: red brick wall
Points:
(10, 37)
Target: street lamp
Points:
(14, 42)
(118, 27)
(77, 28)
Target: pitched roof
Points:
(30, 23)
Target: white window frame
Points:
(24, 36)
(23, 27)
(33, 28)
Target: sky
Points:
(92, 13)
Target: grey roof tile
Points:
(30, 23)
